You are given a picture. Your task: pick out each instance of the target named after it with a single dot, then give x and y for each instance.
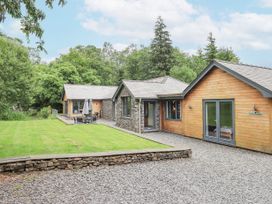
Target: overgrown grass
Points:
(50, 136)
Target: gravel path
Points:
(215, 174)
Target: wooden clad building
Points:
(75, 95)
(229, 104)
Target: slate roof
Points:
(260, 75)
(152, 88)
(89, 91)
(256, 76)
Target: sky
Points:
(243, 25)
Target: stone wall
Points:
(129, 123)
(92, 160)
(132, 123)
(107, 109)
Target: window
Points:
(126, 106)
(78, 106)
(172, 109)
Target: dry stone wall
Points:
(92, 160)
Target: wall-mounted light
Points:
(255, 111)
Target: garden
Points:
(51, 136)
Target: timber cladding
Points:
(252, 131)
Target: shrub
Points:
(9, 114)
(44, 112)
(32, 112)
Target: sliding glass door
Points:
(219, 121)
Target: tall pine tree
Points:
(161, 50)
(210, 49)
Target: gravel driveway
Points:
(215, 174)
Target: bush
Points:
(44, 112)
(32, 112)
(9, 114)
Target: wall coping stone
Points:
(83, 155)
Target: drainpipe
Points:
(140, 103)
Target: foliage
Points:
(210, 49)
(138, 64)
(45, 112)
(15, 76)
(183, 73)
(161, 50)
(29, 15)
(47, 87)
(9, 114)
(227, 54)
(26, 83)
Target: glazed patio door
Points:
(149, 115)
(219, 121)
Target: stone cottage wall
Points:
(107, 109)
(129, 123)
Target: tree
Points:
(138, 63)
(183, 73)
(47, 87)
(210, 49)
(29, 15)
(198, 62)
(183, 69)
(227, 54)
(15, 75)
(67, 72)
(161, 50)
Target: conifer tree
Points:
(210, 49)
(161, 50)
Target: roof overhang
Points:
(170, 96)
(264, 91)
(122, 84)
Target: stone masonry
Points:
(107, 109)
(129, 123)
(132, 122)
(84, 160)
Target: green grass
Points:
(37, 137)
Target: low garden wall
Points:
(83, 160)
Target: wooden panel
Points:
(96, 108)
(251, 131)
(174, 126)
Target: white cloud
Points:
(247, 30)
(188, 25)
(120, 46)
(47, 60)
(266, 3)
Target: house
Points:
(137, 102)
(228, 104)
(99, 96)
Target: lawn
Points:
(37, 137)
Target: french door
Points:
(219, 121)
(149, 115)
